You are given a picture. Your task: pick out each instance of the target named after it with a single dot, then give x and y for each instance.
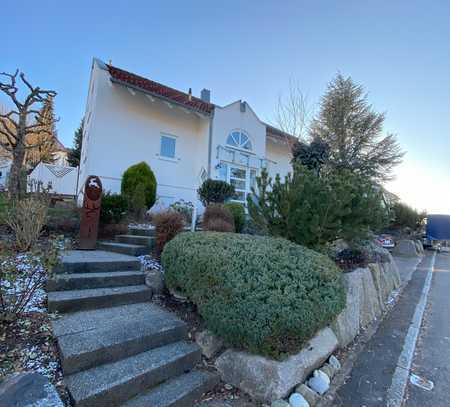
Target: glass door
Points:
(239, 178)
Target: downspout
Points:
(210, 142)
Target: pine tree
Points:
(75, 153)
(312, 210)
(353, 131)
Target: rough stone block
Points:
(155, 280)
(347, 324)
(27, 390)
(268, 380)
(209, 343)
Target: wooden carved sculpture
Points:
(91, 213)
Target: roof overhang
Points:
(169, 101)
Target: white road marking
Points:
(400, 378)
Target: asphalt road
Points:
(372, 373)
(432, 356)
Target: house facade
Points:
(184, 139)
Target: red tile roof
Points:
(158, 89)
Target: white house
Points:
(183, 138)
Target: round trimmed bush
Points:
(215, 191)
(238, 211)
(136, 177)
(262, 294)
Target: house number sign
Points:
(90, 213)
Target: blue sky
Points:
(399, 50)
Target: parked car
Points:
(386, 241)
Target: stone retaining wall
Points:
(368, 290)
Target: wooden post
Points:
(90, 213)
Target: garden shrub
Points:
(64, 220)
(139, 174)
(237, 210)
(314, 209)
(114, 208)
(262, 294)
(218, 219)
(167, 225)
(215, 191)
(26, 217)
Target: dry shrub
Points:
(218, 219)
(167, 225)
(27, 217)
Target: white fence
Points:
(62, 180)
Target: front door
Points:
(242, 178)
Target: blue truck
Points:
(437, 230)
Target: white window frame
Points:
(241, 149)
(164, 157)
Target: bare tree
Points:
(19, 124)
(293, 112)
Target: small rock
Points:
(329, 370)
(228, 386)
(297, 400)
(334, 361)
(209, 343)
(310, 395)
(155, 280)
(322, 375)
(280, 403)
(318, 385)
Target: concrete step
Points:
(80, 281)
(147, 241)
(87, 261)
(182, 391)
(123, 248)
(78, 300)
(131, 330)
(141, 232)
(112, 384)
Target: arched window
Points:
(239, 139)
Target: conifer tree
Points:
(43, 143)
(352, 129)
(75, 153)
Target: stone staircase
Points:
(136, 243)
(116, 347)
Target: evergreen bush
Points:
(139, 174)
(314, 209)
(237, 210)
(114, 208)
(262, 294)
(215, 191)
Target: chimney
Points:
(205, 95)
(190, 94)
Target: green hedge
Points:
(266, 295)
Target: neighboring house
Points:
(183, 138)
(54, 150)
